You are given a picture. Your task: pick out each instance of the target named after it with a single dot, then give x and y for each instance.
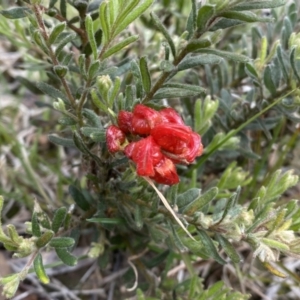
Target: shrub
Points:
(170, 117)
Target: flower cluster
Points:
(163, 141)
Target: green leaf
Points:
(146, 79)
(268, 80)
(91, 35)
(51, 91)
(56, 31)
(126, 10)
(113, 93)
(121, 45)
(40, 270)
(293, 64)
(210, 247)
(15, 12)
(195, 45)
(249, 5)
(133, 14)
(164, 31)
(199, 60)
(61, 141)
(228, 248)
(245, 16)
(188, 197)
(226, 54)
(66, 257)
(62, 242)
(88, 131)
(93, 69)
(67, 39)
(58, 218)
(79, 198)
(44, 239)
(36, 230)
(92, 118)
(190, 87)
(116, 221)
(103, 13)
(178, 92)
(200, 202)
(282, 61)
(275, 244)
(205, 13)
(29, 85)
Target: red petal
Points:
(115, 137)
(146, 154)
(169, 115)
(125, 121)
(144, 119)
(165, 172)
(172, 137)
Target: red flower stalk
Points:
(115, 138)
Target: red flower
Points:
(115, 137)
(151, 162)
(167, 141)
(144, 119)
(179, 142)
(146, 154)
(169, 115)
(165, 172)
(125, 121)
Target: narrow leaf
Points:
(246, 16)
(200, 202)
(51, 91)
(228, 248)
(209, 245)
(226, 54)
(119, 46)
(36, 230)
(103, 20)
(15, 12)
(70, 37)
(91, 35)
(293, 64)
(204, 14)
(56, 31)
(79, 198)
(177, 93)
(58, 218)
(165, 32)
(195, 45)
(134, 14)
(44, 239)
(61, 141)
(249, 5)
(66, 257)
(62, 242)
(199, 60)
(40, 270)
(146, 79)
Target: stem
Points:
(38, 14)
